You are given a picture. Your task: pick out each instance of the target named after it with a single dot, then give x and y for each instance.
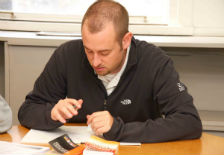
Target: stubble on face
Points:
(115, 68)
(97, 42)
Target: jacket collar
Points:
(132, 60)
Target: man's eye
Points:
(89, 51)
(104, 53)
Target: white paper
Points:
(93, 152)
(78, 134)
(130, 144)
(9, 148)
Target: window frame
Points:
(180, 22)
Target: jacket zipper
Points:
(105, 104)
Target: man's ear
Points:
(126, 41)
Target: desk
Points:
(206, 145)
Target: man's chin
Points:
(101, 73)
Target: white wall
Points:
(208, 17)
(202, 70)
(2, 81)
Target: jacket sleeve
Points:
(179, 118)
(48, 89)
(5, 116)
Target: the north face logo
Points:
(126, 102)
(180, 87)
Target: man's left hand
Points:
(101, 122)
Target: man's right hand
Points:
(66, 109)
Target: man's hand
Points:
(101, 122)
(65, 109)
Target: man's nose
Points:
(96, 60)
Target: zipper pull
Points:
(105, 104)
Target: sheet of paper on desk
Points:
(78, 134)
(9, 148)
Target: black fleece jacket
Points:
(149, 104)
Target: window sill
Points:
(32, 39)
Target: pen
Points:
(75, 107)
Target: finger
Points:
(94, 128)
(100, 130)
(99, 114)
(61, 119)
(102, 114)
(74, 102)
(98, 119)
(101, 127)
(57, 117)
(72, 110)
(80, 101)
(65, 112)
(97, 122)
(89, 119)
(96, 125)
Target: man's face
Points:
(103, 51)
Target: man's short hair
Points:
(103, 11)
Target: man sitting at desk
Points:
(128, 90)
